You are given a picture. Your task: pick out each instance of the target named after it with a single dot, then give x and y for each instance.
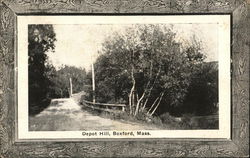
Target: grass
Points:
(190, 121)
(164, 121)
(123, 117)
(140, 118)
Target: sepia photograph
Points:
(142, 78)
(126, 79)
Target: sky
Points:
(77, 45)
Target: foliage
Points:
(41, 39)
(87, 88)
(45, 82)
(61, 81)
(111, 85)
(191, 121)
(146, 67)
(202, 95)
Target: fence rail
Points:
(104, 106)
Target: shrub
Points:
(167, 118)
(177, 123)
(188, 122)
(156, 121)
(211, 123)
(142, 116)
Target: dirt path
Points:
(66, 115)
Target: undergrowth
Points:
(164, 121)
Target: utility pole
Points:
(93, 82)
(70, 84)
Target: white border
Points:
(224, 72)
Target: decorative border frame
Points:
(237, 146)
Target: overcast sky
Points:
(77, 45)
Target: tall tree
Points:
(41, 39)
(156, 66)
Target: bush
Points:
(142, 116)
(212, 123)
(167, 118)
(177, 123)
(156, 121)
(187, 121)
(190, 121)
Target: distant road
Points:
(65, 114)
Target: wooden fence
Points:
(104, 106)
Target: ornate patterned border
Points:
(237, 147)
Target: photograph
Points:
(141, 76)
(162, 78)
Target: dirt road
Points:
(65, 114)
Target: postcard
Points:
(141, 76)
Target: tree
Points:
(112, 85)
(202, 95)
(61, 80)
(41, 39)
(155, 67)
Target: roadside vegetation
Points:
(41, 39)
(45, 81)
(160, 79)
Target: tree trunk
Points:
(138, 104)
(145, 91)
(131, 100)
(139, 101)
(153, 104)
(132, 93)
(151, 88)
(157, 104)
